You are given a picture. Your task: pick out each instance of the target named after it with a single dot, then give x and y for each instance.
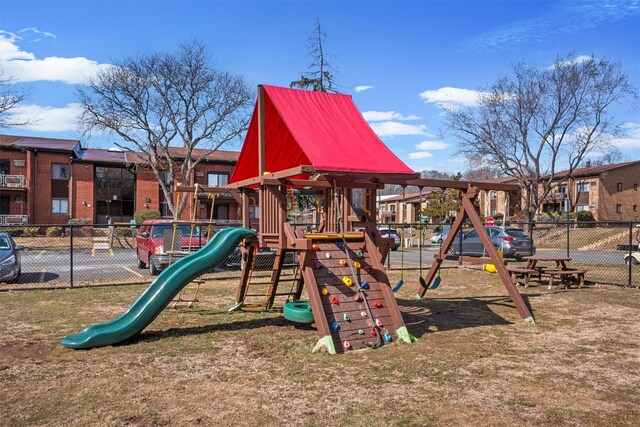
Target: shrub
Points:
(79, 221)
(13, 232)
(145, 214)
(582, 216)
(31, 231)
(498, 217)
(54, 231)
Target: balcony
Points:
(14, 219)
(13, 181)
(554, 197)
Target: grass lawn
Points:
(475, 362)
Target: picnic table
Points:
(561, 271)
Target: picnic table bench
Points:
(523, 274)
(566, 275)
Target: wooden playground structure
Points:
(318, 144)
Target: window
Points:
(19, 163)
(583, 187)
(471, 235)
(19, 198)
(494, 195)
(618, 208)
(60, 171)
(59, 206)
(635, 208)
(165, 177)
(582, 208)
(619, 186)
(217, 179)
(493, 212)
(562, 189)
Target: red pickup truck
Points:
(154, 238)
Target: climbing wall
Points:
(343, 305)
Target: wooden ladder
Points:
(263, 290)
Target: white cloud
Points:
(431, 145)
(362, 88)
(389, 128)
(420, 155)
(34, 32)
(451, 95)
(379, 116)
(23, 66)
(631, 138)
(47, 119)
(577, 60)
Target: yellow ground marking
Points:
(135, 273)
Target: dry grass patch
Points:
(475, 362)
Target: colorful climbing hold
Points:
(343, 262)
(328, 255)
(363, 313)
(347, 281)
(377, 304)
(360, 255)
(347, 345)
(329, 272)
(356, 264)
(373, 332)
(324, 291)
(364, 285)
(387, 337)
(378, 323)
(316, 265)
(360, 331)
(357, 298)
(315, 247)
(334, 300)
(340, 245)
(335, 326)
(367, 268)
(346, 317)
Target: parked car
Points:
(10, 266)
(153, 242)
(513, 242)
(436, 239)
(390, 232)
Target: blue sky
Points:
(401, 60)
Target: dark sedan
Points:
(10, 267)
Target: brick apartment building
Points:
(609, 192)
(50, 181)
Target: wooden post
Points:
(262, 145)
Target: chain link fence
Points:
(92, 254)
(607, 250)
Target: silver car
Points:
(10, 267)
(513, 242)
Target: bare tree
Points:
(533, 123)
(10, 97)
(320, 77)
(161, 101)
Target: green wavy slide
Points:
(159, 293)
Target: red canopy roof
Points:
(323, 130)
